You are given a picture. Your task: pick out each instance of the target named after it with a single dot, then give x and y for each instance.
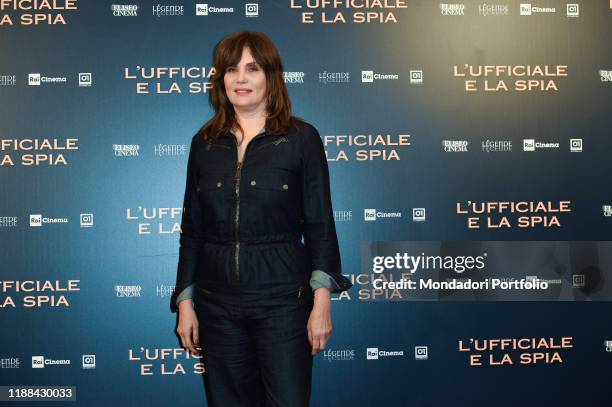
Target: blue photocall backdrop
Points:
(465, 141)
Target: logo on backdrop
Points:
(513, 214)
(452, 9)
(164, 290)
(36, 152)
(155, 220)
(497, 146)
(88, 361)
(418, 215)
(374, 214)
(10, 363)
(40, 362)
(8, 221)
(126, 150)
(530, 144)
(164, 10)
(251, 10)
(38, 220)
(165, 361)
(203, 9)
(510, 351)
(421, 353)
(369, 12)
(375, 353)
(85, 79)
(36, 79)
(526, 9)
(124, 10)
(343, 215)
(36, 12)
(8, 80)
(416, 76)
(334, 77)
(166, 150)
(370, 76)
(86, 220)
(506, 78)
(169, 79)
(573, 10)
(38, 293)
(365, 146)
(493, 9)
(576, 145)
(293, 77)
(331, 355)
(455, 146)
(128, 291)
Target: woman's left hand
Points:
(319, 322)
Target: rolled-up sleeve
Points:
(319, 228)
(190, 241)
(319, 279)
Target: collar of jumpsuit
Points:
(263, 130)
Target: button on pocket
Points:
(214, 190)
(211, 182)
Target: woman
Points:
(257, 181)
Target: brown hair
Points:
(228, 53)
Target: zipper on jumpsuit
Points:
(239, 165)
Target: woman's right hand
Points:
(188, 327)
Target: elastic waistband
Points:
(254, 240)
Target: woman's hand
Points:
(319, 322)
(188, 327)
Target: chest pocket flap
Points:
(211, 182)
(270, 180)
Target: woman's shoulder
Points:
(307, 131)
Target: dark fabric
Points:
(242, 225)
(256, 354)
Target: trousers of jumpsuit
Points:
(255, 354)
(241, 247)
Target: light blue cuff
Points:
(186, 294)
(319, 279)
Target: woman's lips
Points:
(242, 92)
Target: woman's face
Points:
(245, 84)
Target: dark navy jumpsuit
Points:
(241, 248)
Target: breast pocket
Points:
(214, 191)
(272, 191)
